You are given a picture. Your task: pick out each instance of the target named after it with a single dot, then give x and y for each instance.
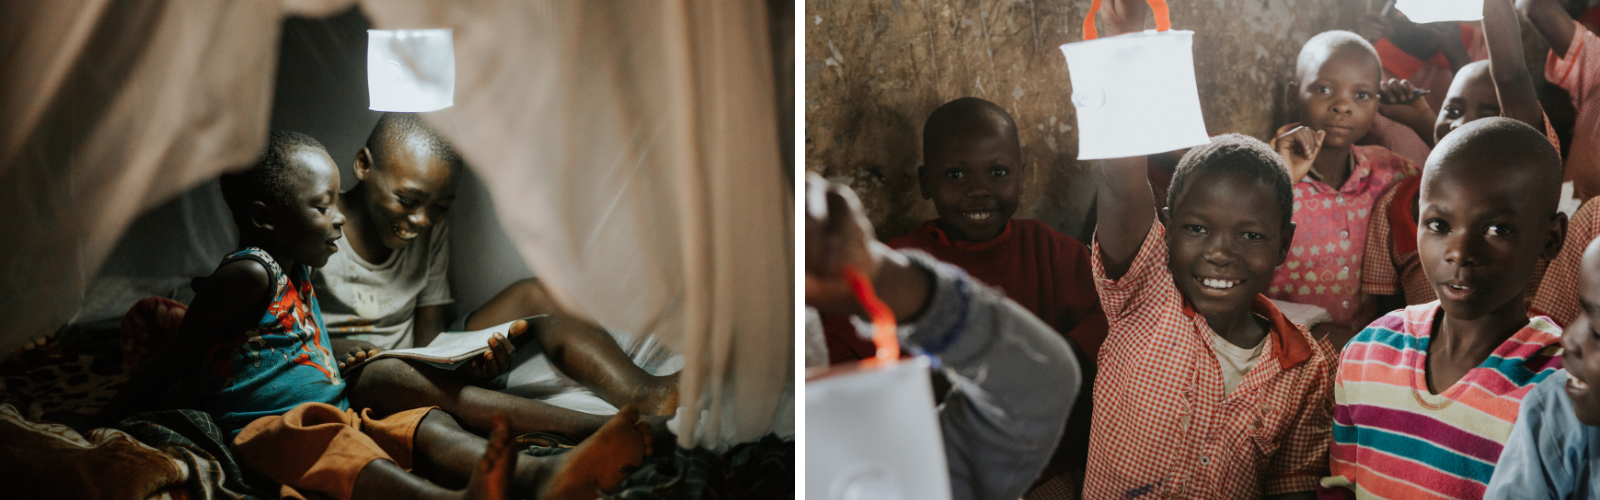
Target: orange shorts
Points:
(319, 448)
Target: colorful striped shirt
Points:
(1392, 438)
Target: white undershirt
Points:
(1235, 361)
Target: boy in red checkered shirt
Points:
(1205, 389)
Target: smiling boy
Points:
(1554, 450)
(1427, 395)
(1206, 390)
(973, 173)
(386, 288)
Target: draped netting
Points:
(631, 149)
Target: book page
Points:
(450, 349)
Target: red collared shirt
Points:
(1162, 426)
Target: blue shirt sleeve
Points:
(1538, 459)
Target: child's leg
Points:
(318, 447)
(581, 350)
(390, 385)
(443, 448)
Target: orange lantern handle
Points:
(1158, 7)
(884, 335)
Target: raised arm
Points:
(1125, 210)
(1125, 205)
(1512, 83)
(1551, 21)
(222, 308)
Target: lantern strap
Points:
(1158, 7)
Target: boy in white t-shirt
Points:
(388, 291)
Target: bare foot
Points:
(659, 397)
(516, 328)
(598, 463)
(491, 480)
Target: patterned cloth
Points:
(1391, 265)
(1550, 453)
(1163, 427)
(1578, 73)
(1324, 265)
(1395, 439)
(282, 361)
(191, 437)
(1558, 293)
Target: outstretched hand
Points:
(1123, 16)
(1298, 145)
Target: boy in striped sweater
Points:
(1426, 396)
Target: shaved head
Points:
(1325, 45)
(396, 131)
(967, 116)
(1501, 150)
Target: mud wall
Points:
(875, 69)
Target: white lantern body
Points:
(1433, 11)
(872, 433)
(410, 70)
(1135, 94)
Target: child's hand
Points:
(1298, 145)
(1400, 100)
(1375, 22)
(836, 236)
(1123, 16)
(498, 358)
(352, 352)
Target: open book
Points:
(450, 350)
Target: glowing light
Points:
(410, 70)
(1135, 94)
(1433, 11)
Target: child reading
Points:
(1574, 65)
(386, 289)
(1500, 86)
(1206, 390)
(1426, 396)
(1336, 181)
(1554, 448)
(1016, 376)
(255, 340)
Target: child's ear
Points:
(260, 216)
(922, 182)
(1557, 236)
(363, 165)
(1166, 216)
